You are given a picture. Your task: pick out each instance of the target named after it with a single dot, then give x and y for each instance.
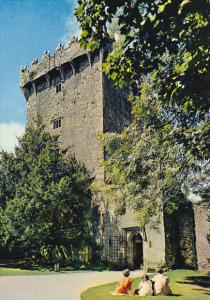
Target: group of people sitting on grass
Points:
(157, 286)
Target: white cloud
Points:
(71, 25)
(8, 135)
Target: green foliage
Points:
(45, 199)
(146, 176)
(153, 30)
(163, 52)
(148, 169)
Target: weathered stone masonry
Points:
(82, 104)
(202, 232)
(75, 99)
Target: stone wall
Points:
(180, 238)
(154, 246)
(79, 105)
(87, 104)
(117, 235)
(83, 116)
(202, 231)
(153, 238)
(109, 235)
(116, 108)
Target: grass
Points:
(20, 272)
(9, 270)
(25, 269)
(22, 268)
(29, 269)
(185, 285)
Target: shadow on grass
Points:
(202, 281)
(204, 290)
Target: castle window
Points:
(58, 88)
(57, 123)
(150, 244)
(110, 243)
(208, 218)
(208, 238)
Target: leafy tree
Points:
(7, 178)
(146, 170)
(152, 30)
(161, 49)
(45, 199)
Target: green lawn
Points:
(17, 272)
(185, 285)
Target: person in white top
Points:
(145, 287)
(161, 284)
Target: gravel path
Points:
(66, 286)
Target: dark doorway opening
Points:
(137, 250)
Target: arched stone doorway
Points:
(137, 247)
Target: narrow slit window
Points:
(58, 88)
(110, 243)
(57, 123)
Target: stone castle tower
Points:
(76, 100)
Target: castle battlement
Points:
(43, 70)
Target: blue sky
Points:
(27, 29)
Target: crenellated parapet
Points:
(63, 61)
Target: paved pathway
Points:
(67, 286)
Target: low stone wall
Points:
(202, 230)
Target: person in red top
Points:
(124, 284)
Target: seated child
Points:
(161, 284)
(124, 284)
(145, 287)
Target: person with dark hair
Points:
(161, 284)
(145, 287)
(124, 284)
